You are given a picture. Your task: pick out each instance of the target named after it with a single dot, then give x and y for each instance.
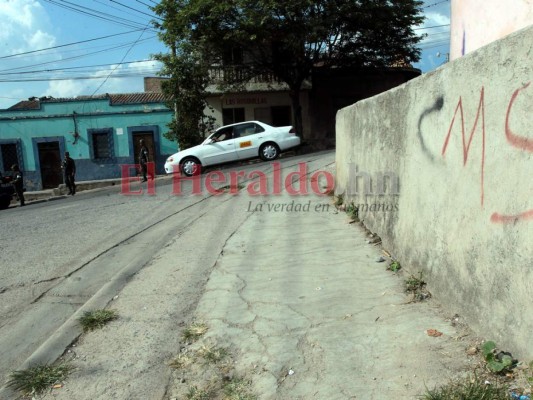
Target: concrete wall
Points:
(459, 143)
(476, 23)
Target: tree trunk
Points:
(294, 94)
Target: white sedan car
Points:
(240, 141)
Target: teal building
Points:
(100, 132)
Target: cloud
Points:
(24, 27)
(62, 89)
(435, 18)
(116, 78)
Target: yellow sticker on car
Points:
(245, 144)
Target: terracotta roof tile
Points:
(114, 99)
(26, 105)
(135, 98)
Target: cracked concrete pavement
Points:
(303, 292)
(297, 297)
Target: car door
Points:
(248, 138)
(222, 149)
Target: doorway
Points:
(148, 138)
(50, 163)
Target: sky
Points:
(68, 48)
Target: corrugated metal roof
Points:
(114, 99)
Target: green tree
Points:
(289, 38)
(187, 73)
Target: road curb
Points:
(54, 347)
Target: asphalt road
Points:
(55, 256)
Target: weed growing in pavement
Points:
(37, 379)
(96, 319)
(211, 367)
(212, 354)
(238, 389)
(412, 284)
(182, 360)
(417, 287)
(468, 390)
(497, 361)
(394, 266)
(339, 200)
(353, 212)
(194, 331)
(198, 394)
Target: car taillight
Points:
(292, 131)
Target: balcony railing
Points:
(229, 74)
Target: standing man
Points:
(18, 183)
(69, 171)
(143, 160)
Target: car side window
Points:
(258, 128)
(247, 129)
(224, 134)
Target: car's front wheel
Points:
(269, 151)
(190, 166)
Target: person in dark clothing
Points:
(143, 160)
(18, 183)
(69, 170)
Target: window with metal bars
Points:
(10, 154)
(101, 144)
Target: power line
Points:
(144, 4)
(68, 44)
(435, 44)
(125, 55)
(76, 57)
(435, 4)
(71, 68)
(134, 9)
(430, 27)
(77, 78)
(122, 10)
(97, 14)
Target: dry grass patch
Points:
(182, 361)
(195, 393)
(212, 354)
(96, 319)
(238, 389)
(469, 389)
(37, 379)
(194, 331)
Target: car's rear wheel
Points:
(269, 151)
(190, 166)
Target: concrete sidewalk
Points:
(298, 301)
(308, 313)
